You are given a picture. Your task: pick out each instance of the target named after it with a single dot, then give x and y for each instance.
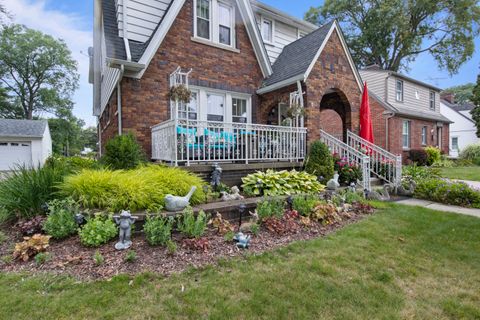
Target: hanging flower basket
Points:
(295, 110)
(180, 93)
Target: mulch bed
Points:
(71, 258)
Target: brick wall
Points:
(109, 120)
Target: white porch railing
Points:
(194, 141)
(352, 155)
(383, 164)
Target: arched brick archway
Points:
(335, 113)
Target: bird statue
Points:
(407, 192)
(333, 184)
(381, 195)
(175, 203)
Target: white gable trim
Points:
(167, 21)
(336, 27)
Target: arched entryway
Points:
(335, 114)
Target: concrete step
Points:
(376, 182)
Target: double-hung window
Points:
(225, 24)
(455, 143)
(215, 107)
(424, 136)
(267, 30)
(189, 111)
(239, 110)
(215, 22)
(406, 134)
(432, 100)
(204, 9)
(399, 90)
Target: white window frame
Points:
(214, 38)
(431, 101)
(409, 129)
(177, 111)
(272, 30)
(453, 148)
(397, 92)
(424, 135)
(246, 108)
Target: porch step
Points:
(376, 182)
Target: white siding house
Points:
(24, 142)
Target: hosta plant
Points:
(274, 183)
(31, 246)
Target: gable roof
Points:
(22, 128)
(455, 108)
(297, 59)
(376, 68)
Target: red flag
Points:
(366, 128)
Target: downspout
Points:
(125, 30)
(119, 99)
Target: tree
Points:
(392, 33)
(38, 70)
(66, 135)
(89, 138)
(463, 93)
(3, 13)
(476, 102)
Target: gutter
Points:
(119, 100)
(129, 65)
(280, 84)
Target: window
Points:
(424, 136)
(432, 100)
(267, 30)
(203, 18)
(189, 110)
(399, 91)
(455, 143)
(225, 24)
(239, 110)
(215, 107)
(406, 134)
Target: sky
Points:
(72, 21)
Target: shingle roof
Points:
(22, 128)
(454, 108)
(463, 107)
(297, 56)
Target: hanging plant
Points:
(180, 93)
(295, 110)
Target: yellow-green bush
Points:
(140, 189)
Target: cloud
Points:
(73, 29)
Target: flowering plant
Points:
(349, 171)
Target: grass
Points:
(402, 263)
(461, 173)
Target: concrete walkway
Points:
(472, 184)
(440, 207)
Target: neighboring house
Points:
(24, 142)
(417, 120)
(463, 130)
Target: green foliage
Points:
(348, 196)
(472, 153)
(454, 193)
(140, 189)
(158, 230)
(61, 222)
(274, 183)
(255, 229)
(419, 173)
(418, 156)
(433, 155)
(462, 93)
(26, 190)
(66, 135)
(123, 152)
(98, 258)
(320, 161)
(97, 231)
(38, 69)
(476, 102)
(3, 237)
(131, 256)
(42, 258)
(270, 207)
(228, 237)
(348, 171)
(444, 163)
(171, 247)
(392, 33)
(72, 164)
(191, 226)
(304, 205)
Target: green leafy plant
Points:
(3, 237)
(144, 188)
(98, 258)
(158, 230)
(61, 222)
(72, 164)
(320, 161)
(123, 152)
(304, 205)
(255, 229)
(191, 226)
(270, 207)
(131, 256)
(171, 247)
(97, 231)
(228, 237)
(42, 258)
(472, 153)
(418, 173)
(454, 193)
(273, 183)
(433, 155)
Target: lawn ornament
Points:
(247, 226)
(175, 203)
(242, 240)
(125, 221)
(80, 219)
(333, 184)
(234, 195)
(381, 195)
(352, 187)
(216, 177)
(407, 192)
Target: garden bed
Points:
(71, 258)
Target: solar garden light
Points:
(79, 218)
(205, 190)
(241, 211)
(290, 203)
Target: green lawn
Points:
(462, 173)
(402, 263)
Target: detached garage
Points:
(24, 142)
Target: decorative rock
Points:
(125, 221)
(242, 240)
(333, 184)
(175, 203)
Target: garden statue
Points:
(175, 203)
(247, 226)
(352, 187)
(333, 184)
(125, 221)
(242, 240)
(216, 177)
(407, 192)
(234, 195)
(381, 195)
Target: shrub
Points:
(72, 164)
(123, 152)
(444, 163)
(158, 230)
(418, 174)
(433, 155)
(141, 189)
(171, 247)
(454, 193)
(191, 226)
(320, 161)
(97, 231)
(255, 229)
(418, 156)
(31, 246)
(30, 226)
(472, 153)
(61, 222)
(304, 205)
(272, 183)
(26, 190)
(131, 256)
(270, 208)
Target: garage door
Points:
(12, 153)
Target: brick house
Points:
(264, 84)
